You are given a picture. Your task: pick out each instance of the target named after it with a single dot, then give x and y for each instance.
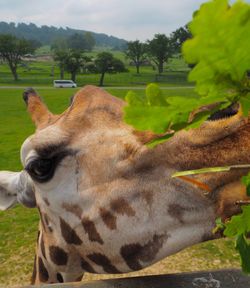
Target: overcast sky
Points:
(127, 19)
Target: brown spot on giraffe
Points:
(42, 247)
(144, 168)
(176, 211)
(59, 277)
(43, 273)
(108, 218)
(148, 196)
(69, 234)
(58, 255)
(104, 262)
(135, 252)
(45, 221)
(130, 254)
(46, 201)
(121, 206)
(73, 208)
(86, 266)
(90, 229)
(38, 237)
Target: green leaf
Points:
(184, 103)
(154, 113)
(245, 104)
(153, 118)
(154, 95)
(239, 224)
(246, 181)
(243, 246)
(133, 98)
(219, 223)
(220, 48)
(220, 72)
(220, 226)
(198, 120)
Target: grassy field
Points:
(18, 226)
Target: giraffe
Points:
(107, 202)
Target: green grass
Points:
(43, 50)
(18, 226)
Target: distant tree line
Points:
(69, 53)
(47, 34)
(81, 42)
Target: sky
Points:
(127, 19)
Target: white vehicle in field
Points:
(64, 84)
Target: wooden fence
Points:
(204, 279)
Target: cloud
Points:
(130, 19)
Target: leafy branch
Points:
(219, 50)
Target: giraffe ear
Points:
(6, 200)
(8, 196)
(16, 187)
(39, 112)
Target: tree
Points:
(60, 51)
(179, 36)
(74, 61)
(81, 42)
(35, 44)
(160, 49)
(89, 41)
(59, 44)
(136, 51)
(77, 42)
(106, 62)
(12, 49)
(60, 57)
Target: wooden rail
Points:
(204, 279)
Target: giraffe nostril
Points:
(225, 113)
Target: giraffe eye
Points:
(41, 170)
(42, 167)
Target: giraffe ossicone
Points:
(107, 202)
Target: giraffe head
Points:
(89, 145)
(93, 178)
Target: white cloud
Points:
(130, 19)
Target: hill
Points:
(47, 34)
